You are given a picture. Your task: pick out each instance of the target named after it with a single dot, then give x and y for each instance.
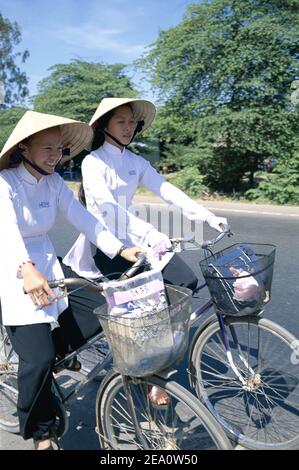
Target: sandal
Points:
(49, 436)
(36, 443)
(55, 438)
(158, 398)
(50, 447)
(71, 364)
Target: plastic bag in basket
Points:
(138, 320)
(246, 287)
(241, 285)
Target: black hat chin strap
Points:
(114, 138)
(139, 127)
(37, 168)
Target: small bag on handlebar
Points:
(239, 278)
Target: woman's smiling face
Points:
(43, 149)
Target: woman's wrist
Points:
(122, 248)
(25, 265)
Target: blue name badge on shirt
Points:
(132, 172)
(44, 205)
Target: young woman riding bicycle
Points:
(40, 325)
(111, 174)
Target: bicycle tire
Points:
(8, 402)
(8, 407)
(160, 433)
(265, 416)
(7, 354)
(8, 385)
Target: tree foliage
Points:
(281, 187)
(190, 181)
(74, 90)
(8, 120)
(223, 76)
(234, 143)
(13, 79)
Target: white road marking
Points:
(223, 209)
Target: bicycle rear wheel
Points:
(183, 424)
(8, 385)
(7, 354)
(8, 402)
(263, 412)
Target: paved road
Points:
(249, 225)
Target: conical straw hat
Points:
(75, 134)
(143, 110)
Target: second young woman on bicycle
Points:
(111, 174)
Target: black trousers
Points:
(37, 348)
(176, 272)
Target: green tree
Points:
(233, 143)
(223, 76)
(13, 79)
(281, 187)
(74, 90)
(8, 120)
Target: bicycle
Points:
(95, 357)
(125, 416)
(239, 362)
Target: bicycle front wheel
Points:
(183, 424)
(258, 402)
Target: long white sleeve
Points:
(93, 228)
(119, 220)
(13, 251)
(153, 181)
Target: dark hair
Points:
(101, 124)
(81, 195)
(16, 156)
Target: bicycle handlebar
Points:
(226, 232)
(132, 270)
(81, 281)
(205, 243)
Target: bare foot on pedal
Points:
(158, 397)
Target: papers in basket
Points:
(141, 295)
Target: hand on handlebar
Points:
(218, 223)
(36, 285)
(158, 242)
(131, 254)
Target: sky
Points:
(109, 31)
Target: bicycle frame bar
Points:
(133, 413)
(225, 341)
(89, 376)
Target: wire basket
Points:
(239, 278)
(149, 343)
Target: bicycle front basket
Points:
(143, 345)
(239, 278)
